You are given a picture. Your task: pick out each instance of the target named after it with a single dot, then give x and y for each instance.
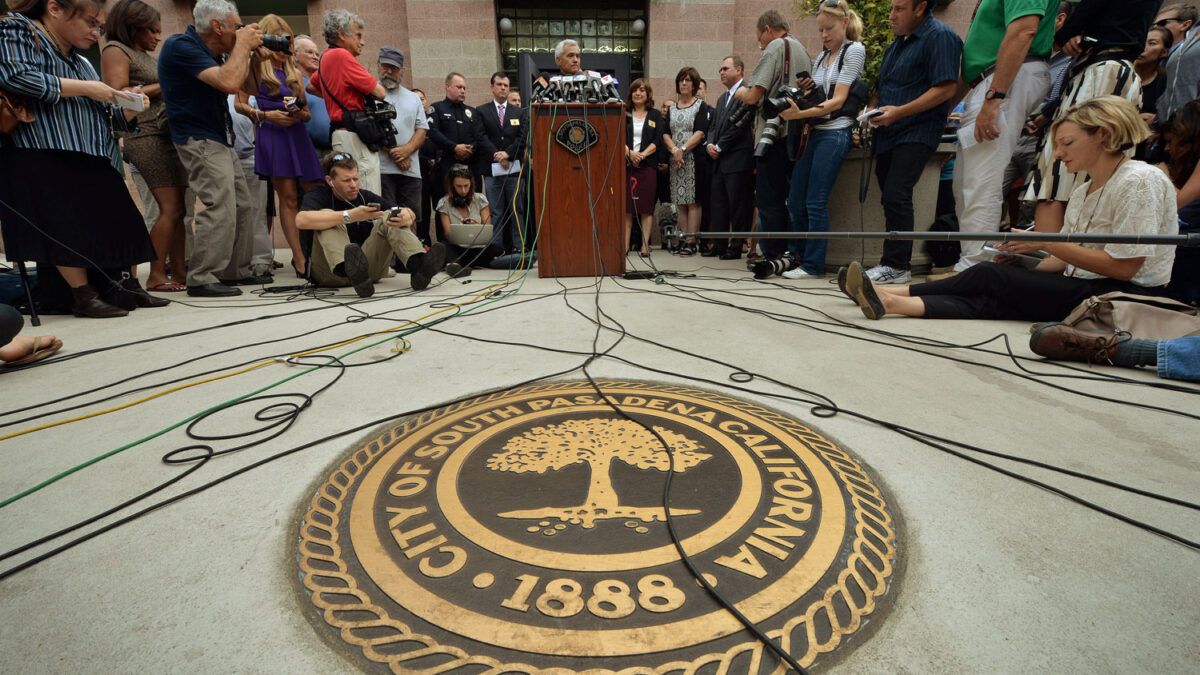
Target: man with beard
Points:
(400, 165)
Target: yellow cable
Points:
(487, 291)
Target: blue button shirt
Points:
(911, 66)
(318, 125)
(194, 109)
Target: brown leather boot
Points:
(140, 296)
(87, 303)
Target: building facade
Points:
(479, 37)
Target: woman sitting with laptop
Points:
(466, 221)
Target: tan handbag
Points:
(1142, 316)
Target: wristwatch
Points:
(345, 217)
(993, 94)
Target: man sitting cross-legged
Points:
(356, 233)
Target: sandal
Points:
(167, 287)
(36, 353)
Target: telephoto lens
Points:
(277, 43)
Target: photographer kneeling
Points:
(357, 231)
(346, 87)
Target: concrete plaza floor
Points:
(999, 575)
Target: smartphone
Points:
(373, 205)
(129, 100)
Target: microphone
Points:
(609, 84)
(554, 93)
(579, 83)
(595, 92)
(539, 89)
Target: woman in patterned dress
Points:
(134, 30)
(686, 127)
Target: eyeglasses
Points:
(341, 156)
(1162, 23)
(831, 3)
(95, 26)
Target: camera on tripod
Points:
(278, 43)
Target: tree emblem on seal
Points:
(598, 442)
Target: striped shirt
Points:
(34, 68)
(834, 70)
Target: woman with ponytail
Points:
(834, 71)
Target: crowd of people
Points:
(1065, 107)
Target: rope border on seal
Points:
(389, 641)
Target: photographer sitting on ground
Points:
(357, 231)
(1123, 196)
(343, 82)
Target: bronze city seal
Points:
(526, 532)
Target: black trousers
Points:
(11, 323)
(404, 190)
(772, 184)
(994, 291)
(898, 171)
(732, 206)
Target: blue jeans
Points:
(808, 203)
(1179, 359)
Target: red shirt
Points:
(349, 82)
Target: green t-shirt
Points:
(769, 74)
(988, 27)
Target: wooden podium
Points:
(579, 187)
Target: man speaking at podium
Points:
(566, 55)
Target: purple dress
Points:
(285, 152)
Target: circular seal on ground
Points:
(527, 531)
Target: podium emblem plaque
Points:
(577, 135)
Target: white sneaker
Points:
(799, 273)
(882, 274)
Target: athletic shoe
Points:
(1055, 340)
(882, 274)
(357, 270)
(860, 288)
(800, 273)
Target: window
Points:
(602, 28)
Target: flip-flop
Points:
(167, 287)
(841, 282)
(36, 354)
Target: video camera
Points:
(380, 114)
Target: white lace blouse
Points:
(1137, 199)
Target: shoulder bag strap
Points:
(325, 87)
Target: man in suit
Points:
(501, 143)
(454, 129)
(732, 151)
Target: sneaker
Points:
(800, 273)
(882, 274)
(1060, 341)
(357, 270)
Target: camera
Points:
(804, 100)
(277, 43)
(379, 114)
